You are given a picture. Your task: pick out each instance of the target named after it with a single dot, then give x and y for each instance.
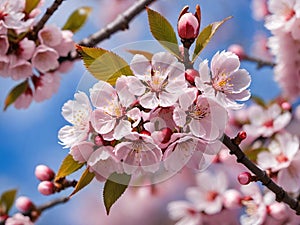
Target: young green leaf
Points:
(7, 200)
(206, 35)
(77, 19)
(163, 32)
(103, 64)
(84, 180)
(15, 93)
(114, 187)
(68, 166)
(148, 55)
(259, 101)
(30, 5)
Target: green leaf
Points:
(103, 64)
(15, 93)
(252, 153)
(68, 166)
(114, 187)
(77, 19)
(163, 32)
(148, 55)
(84, 180)
(30, 5)
(7, 200)
(206, 35)
(259, 101)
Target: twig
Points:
(53, 203)
(281, 194)
(260, 63)
(49, 12)
(120, 23)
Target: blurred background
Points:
(29, 137)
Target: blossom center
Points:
(221, 83)
(199, 112)
(281, 158)
(290, 15)
(269, 123)
(211, 196)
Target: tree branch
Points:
(53, 203)
(120, 23)
(49, 12)
(260, 63)
(281, 194)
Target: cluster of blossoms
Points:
(32, 58)
(273, 144)
(283, 22)
(155, 121)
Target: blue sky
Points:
(29, 137)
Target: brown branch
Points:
(49, 12)
(260, 63)
(53, 203)
(281, 194)
(120, 23)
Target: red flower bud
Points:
(167, 133)
(188, 24)
(46, 188)
(190, 75)
(244, 178)
(24, 204)
(238, 50)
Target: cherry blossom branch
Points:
(52, 203)
(49, 12)
(260, 63)
(120, 23)
(281, 194)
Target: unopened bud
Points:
(145, 132)
(238, 50)
(286, 106)
(190, 75)
(166, 133)
(44, 173)
(46, 188)
(245, 178)
(98, 140)
(24, 204)
(188, 24)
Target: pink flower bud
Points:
(190, 75)
(286, 106)
(231, 199)
(244, 178)
(46, 188)
(145, 132)
(242, 135)
(238, 50)
(98, 140)
(188, 24)
(24, 204)
(44, 173)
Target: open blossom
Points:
(45, 58)
(19, 218)
(112, 109)
(208, 194)
(202, 116)
(225, 80)
(281, 152)
(159, 82)
(284, 16)
(265, 122)
(139, 154)
(184, 213)
(76, 112)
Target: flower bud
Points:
(190, 75)
(43, 173)
(244, 178)
(188, 24)
(24, 204)
(46, 188)
(238, 50)
(166, 133)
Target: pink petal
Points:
(102, 94)
(102, 122)
(149, 100)
(82, 151)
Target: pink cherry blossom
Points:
(208, 194)
(66, 44)
(45, 58)
(139, 154)
(50, 36)
(281, 152)
(158, 83)
(82, 151)
(284, 16)
(4, 66)
(45, 86)
(227, 82)
(76, 112)
(19, 68)
(112, 111)
(259, 9)
(265, 122)
(188, 26)
(26, 49)
(184, 213)
(103, 162)
(204, 118)
(24, 100)
(18, 218)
